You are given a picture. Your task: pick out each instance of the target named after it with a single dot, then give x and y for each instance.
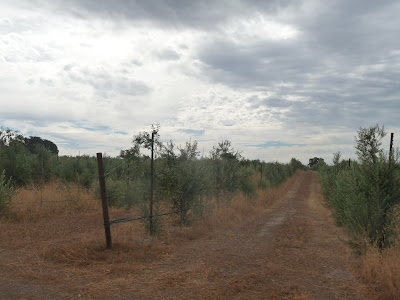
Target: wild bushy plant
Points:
(363, 194)
(361, 197)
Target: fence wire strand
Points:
(113, 169)
(51, 201)
(124, 220)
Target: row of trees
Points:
(365, 195)
(183, 179)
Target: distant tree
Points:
(336, 158)
(15, 159)
(8, 135)
(131, 153)
(33, 142)
(144, 140)
(296, 164)
(225, 151)
(312, 162)
(368, 142)
(190, 151)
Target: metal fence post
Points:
(151, 228)
(391, 149)
(102, 182)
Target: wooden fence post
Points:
(104, 204)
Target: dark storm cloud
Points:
(354, 28)
(338, 39)
(256, 65)
(345, 65)
(176, 13)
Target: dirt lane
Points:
(292, 250)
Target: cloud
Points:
(194, 132)
(168, 55)
(18, 49)
(107, 85)
(204, 15)
(271, 76)
(276, 144)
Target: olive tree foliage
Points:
(33, 143)
(182, 178)
(15, 158)
(363, 196)
(229, 174)
(225, 151)
(336, 158)
(368, 143)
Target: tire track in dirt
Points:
(292, 251)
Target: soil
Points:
(292, 250)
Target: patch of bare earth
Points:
(290, 249)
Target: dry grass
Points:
(382, 268)
(230, 212)
(56, 204)
(52, 199)
(62, 242)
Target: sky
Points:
(279, 79)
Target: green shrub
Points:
(361, 197)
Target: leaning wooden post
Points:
(104, 204)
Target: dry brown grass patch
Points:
(382, 268)
(59, 241)
(52, 198)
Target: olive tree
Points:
(368, 143)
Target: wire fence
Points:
(102, 175)
(124, 220)
(52, 201)
(136, 177)
(181, 204)
(53, 193)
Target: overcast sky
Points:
(280, 79)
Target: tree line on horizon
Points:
(180, 173)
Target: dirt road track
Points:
(293, 251)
